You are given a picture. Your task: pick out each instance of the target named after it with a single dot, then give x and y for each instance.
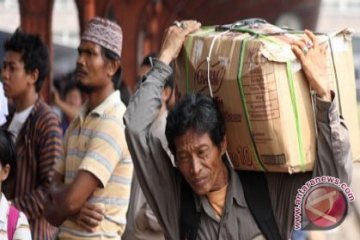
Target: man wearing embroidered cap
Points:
(95, 174)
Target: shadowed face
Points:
(73, 97)
(91, 67)
(200, 162)
(4, 173)
(15, 79)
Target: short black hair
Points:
(65, 83)
(112, 56)
(33, 51)
(7, 151)
(198, 112)
(70, 85)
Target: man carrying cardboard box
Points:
(204, 197)
(269, 110)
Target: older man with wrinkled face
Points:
(199, 161)
(204, 197)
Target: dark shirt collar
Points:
(234, 192)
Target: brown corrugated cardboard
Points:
(263, 94)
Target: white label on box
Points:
(224, 61)
(276, 52)
(296, 65)
(339, 44)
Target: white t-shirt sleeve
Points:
(22, 228)
(3, 105)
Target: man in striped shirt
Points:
(35, 127)
(97, 167)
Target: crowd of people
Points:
(146, 166)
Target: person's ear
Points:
(34, 75)
(112, 67)
(4, 173)
(167, 92)
(223, 145)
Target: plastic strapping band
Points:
(243, 100)
(245, 30)
(335, 73)
(208, 58)
(296, 114)
(313, 105)
(188, 46)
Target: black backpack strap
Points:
(257, 197)
(258, 200)
(189, 217)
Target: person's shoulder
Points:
(115, 114)
(43, 109)
(111, 124)
(44, 118)
(119, 108)
(22, 227)
(22, 220)
(4, 203)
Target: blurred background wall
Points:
(60, 22)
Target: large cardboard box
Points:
(264, 96)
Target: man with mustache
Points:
(205, 198)
(97, 167)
